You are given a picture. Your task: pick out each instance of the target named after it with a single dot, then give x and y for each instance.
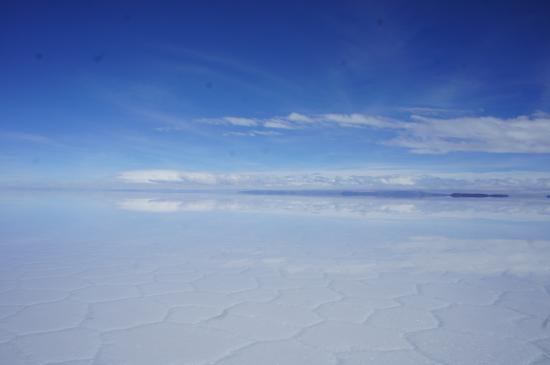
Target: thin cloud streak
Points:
(26, 137)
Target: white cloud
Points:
(244, 122)
(512, 181)
(253, 133)
(351, 120)
(150, 176)
(432, 135)
(399, 180)
(418, 133)
(370, 208)
(296, 121)
(297, 117)
(167, 176)
(476, 134)
(278, 124)
(150, 205)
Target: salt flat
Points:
(225, 279)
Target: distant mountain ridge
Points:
(388, 194)
(381, 194)
(477, 195)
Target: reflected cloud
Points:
(166, 206)
(352, 207)
(428, 254)
(150, 205)
(487, 256)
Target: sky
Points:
(362, 94)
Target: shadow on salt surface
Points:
(297, 287)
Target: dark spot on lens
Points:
(98, 58)
(208, 85)
(39, 56)
(380, 22)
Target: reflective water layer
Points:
(225, 278)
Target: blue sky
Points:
(275, 93)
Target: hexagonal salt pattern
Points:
(266, 302)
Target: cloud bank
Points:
(377, 208)
(351, 179)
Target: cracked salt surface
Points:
(404, 357)
(45, 317)
(250, 281)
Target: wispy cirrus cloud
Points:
(439, 112)
(243, 122)
(279, 124)
(26, 137)
(434, 135)
(419, 134)
(290, 122)
(253, 133)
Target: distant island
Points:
(477, 195)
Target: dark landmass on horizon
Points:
(381, 194)
(477, 195)
(385, 194)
